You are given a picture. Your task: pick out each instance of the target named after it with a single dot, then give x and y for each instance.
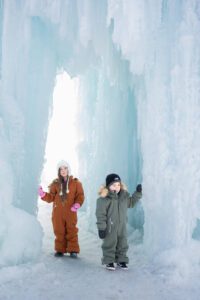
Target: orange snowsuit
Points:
(64, 220)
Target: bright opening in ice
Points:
(62, 136)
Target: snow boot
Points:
(110, 267)
(58, 254)
(122, 265)
(73, 255)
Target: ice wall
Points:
(138, 66)
(26, 86)
(163, 46)
(108, 125)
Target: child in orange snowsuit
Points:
(67, 196)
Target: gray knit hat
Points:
(64, 163)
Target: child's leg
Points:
(109, 248)
(60, 232)
(72, 233)
(122, 247)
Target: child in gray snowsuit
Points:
(111, 213)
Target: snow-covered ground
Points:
(85, 278)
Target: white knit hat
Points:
(64, 163)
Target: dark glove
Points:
(139, 188)
(102, 234)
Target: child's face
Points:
(115, 187)
(63, 171)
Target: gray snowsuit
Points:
(111, 213)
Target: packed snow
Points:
(52, 278)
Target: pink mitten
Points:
(75, 207)
(41, 193)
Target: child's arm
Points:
(49, 197)
(101, 214)
(137, 195)
(79, 197)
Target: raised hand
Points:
(41, 193)
(139, 188)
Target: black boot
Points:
(73, 255)
(58, 254)
(123, 265)
(110, 267)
